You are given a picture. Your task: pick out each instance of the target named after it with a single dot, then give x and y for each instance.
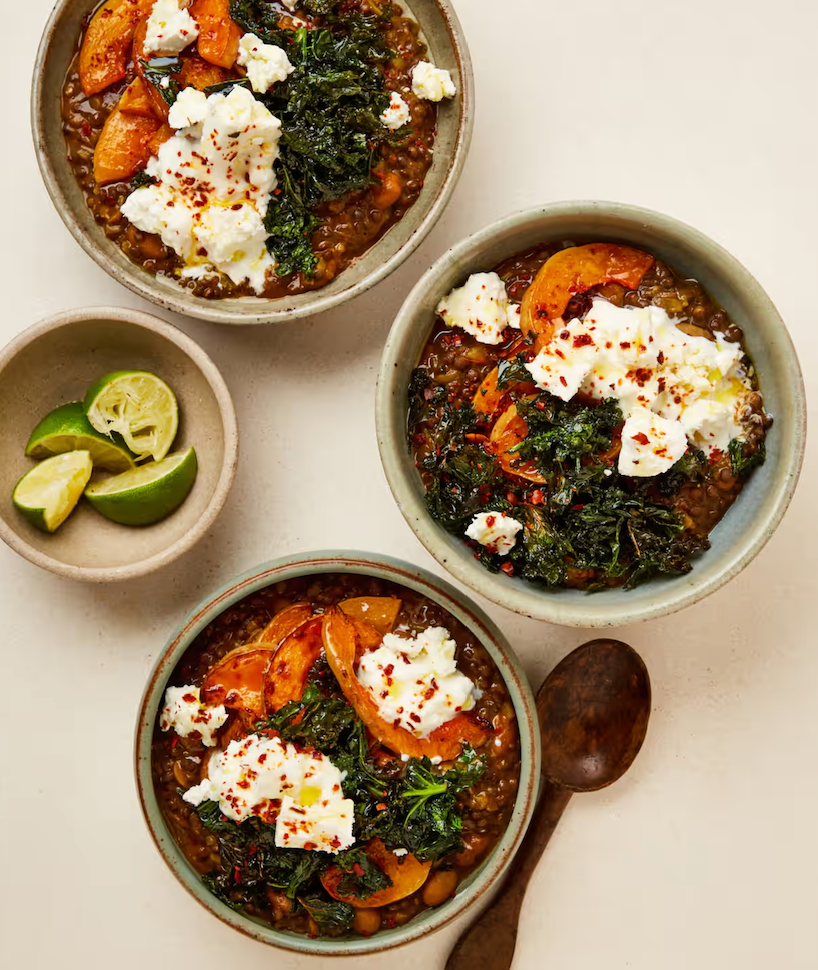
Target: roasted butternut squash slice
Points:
(576, 270)
(342, 644)
(380, 612)
(509, 430)
(162, 135)
(286, 676)
(406, 872)
(124, 146)
(107, 43)
(197, 73)
(219, 34)
(237, 681)
(284, 623)
(136, 100)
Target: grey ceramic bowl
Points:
(479, 883)
(447, 49)
(760, 507)
(54, 362)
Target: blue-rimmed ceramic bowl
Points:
(480, 882)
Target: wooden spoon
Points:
(593, 709)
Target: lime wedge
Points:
(148, 493)
(48, 493)
(137, 405)
(68, 429)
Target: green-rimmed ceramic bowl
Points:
(463, 609)
(447, 49)
(748, 525)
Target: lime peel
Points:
(67, 428)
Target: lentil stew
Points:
(529, 471)
(342, 177)
(422, 822)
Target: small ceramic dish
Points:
(478, 883)
(447, 49)
(54, 362)
(737, 539)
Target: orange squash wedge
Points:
(136, 100)
(576, 270)
(342, 644)
(284, 623)
(380, 612)
(286, 676)
(406, 872)
(197, 73)
(237, 681)
(107, 43)
(219, 34)
(509, 430)
(160, 106)
(124, 146)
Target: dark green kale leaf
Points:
(563, 432)
(690, 468)
(237, 82)
(332, 916)
(742, 462)
(513, 371)
(142, 179)
(291, 226)
(543, 553)
(361, 878)
(160, 73)
(323, 723)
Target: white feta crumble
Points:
(189, 108)
(214, 184)
(693, 386)
(514, 312)
(650, 444)
(494, 530)
(291, 5)
(432, 83)
(299, 791)
(480, 307)
(415, 682)
(397, 114)
(185, 714)
(400, 852)
(170, 28)
(265, 63)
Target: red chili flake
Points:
(660, 356)
(190, 698)
(583, 340)
(540, 405)
(624, 344)
(563, 381)
(537, 497)
(381, 806)
(237, 874)
(490, 520)
(507, 568)
(577, 508)
(565, 334)
(358, 869)
(642, 438)
(174, 742)
(512, 498)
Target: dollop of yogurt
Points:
(673, 388)
(298, 791)
(170, 28)
(415, 681)
(494, 530)
(432, 83)
(185, 714)
(480, 307)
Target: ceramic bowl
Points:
(480, 882)
(447, 49)
(54, 362)
(760, 507)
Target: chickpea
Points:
(367, 921)
(439, 886)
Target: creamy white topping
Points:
(639, 356)
(214, 183)
(189, 109)
(432, 83)
(495, 530)
(397, 114)
(170, 28)
(185, 714)
(415, 682)
(481, 308)
(265, 63)
(300, 791)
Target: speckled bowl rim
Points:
(227, 412)
(142, 284)
(436, 589)
(582, 610)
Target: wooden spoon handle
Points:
(489, 943)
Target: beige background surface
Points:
(706, 854)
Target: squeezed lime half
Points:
(148, 493)
(67, 428)
(48, 494)
(137, 405)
